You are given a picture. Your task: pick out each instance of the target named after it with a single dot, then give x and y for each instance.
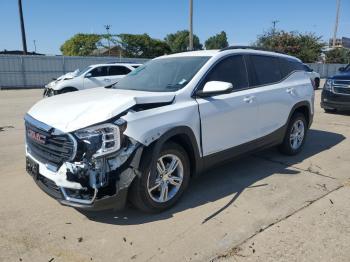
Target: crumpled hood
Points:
(76, 110)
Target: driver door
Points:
(228, 120)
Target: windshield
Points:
(347, 68)
(163, 75)
(82, 71)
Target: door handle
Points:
(248, 99)
(290, 90)
(107, 80)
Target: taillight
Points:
(313, 83)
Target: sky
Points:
(51, 22)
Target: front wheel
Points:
(162, 183)
(294, 139)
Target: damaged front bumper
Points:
(97, 185)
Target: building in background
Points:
(340, 42)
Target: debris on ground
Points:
(124, 239)
(80, 239)
(2, 128)
(52, 259)
(330, 200)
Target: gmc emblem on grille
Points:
(37, 137)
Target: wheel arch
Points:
(67, 89)
(304, 108)
(182, 136)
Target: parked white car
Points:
(165, 122)
(90, 77)
(314, 76)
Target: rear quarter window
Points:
(289, 66)
(266, 68)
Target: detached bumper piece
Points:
(87, 200)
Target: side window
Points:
(267, 69)
(118, 70)
(288, 66)
(232, 70)
(99, 71)
(307, 68)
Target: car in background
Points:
(92, 76)
(336, 91)
(314, 76)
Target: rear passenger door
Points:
(275, 97)
(228, 120)
(97, 77)
(117, 72)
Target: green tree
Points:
(142, 46)
(80, 45)
(179, 41)
(217, 41)
(338, 56)
(307, 47)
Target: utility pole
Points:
(336, 24)
(108, 36)
(191, 26)
(274, 23)
(34, 42)
(23, 32)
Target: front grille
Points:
(342, 82)
(50, 148)
(341, 90)
(341, 87)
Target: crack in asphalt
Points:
(309, 170)
(233, 251)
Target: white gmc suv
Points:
(165, 122)
(92, 76)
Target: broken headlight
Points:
(101, 139)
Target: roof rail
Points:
(123, 62)
(244, 47)
(252, 48)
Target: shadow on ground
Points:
(226, 180)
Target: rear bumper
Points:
(331, 100)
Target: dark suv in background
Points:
(336, 91)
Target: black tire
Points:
(139, 195)
(286, 146)
(317, 83)
(67, 90)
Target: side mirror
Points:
(341, 69)
(88, 75)
(213, 88)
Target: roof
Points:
(229, 51)
(116, 64)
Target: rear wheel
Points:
(162, 183)
(67, 90)
(295, 135)
(317, 83)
